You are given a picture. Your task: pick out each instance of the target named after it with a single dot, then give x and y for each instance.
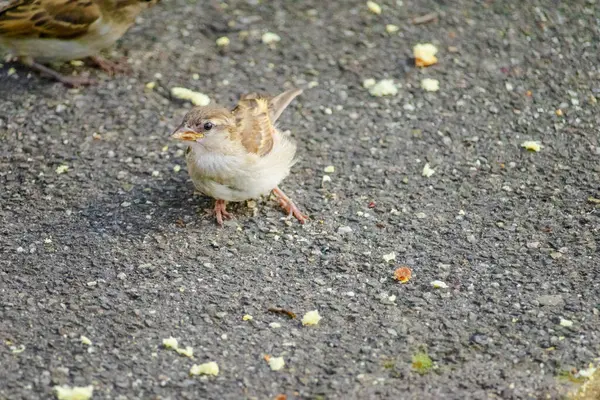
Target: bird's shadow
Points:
(158, 206)
(13, 84)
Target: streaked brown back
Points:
(61, 19)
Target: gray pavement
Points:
(117, 248)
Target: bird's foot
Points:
(111, 67)
(288, 205)
(220, 212)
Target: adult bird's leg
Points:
(289, 206)
(109, 66)
(72, 81)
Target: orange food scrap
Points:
(267, 357)
(425, 54)
(402, 274)
(528, 93)
(281, 397)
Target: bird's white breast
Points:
(242, 176)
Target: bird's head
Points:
(204, 122)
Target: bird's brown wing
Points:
(59, 19)
(255, 118)
(253, 125)
(277, 103)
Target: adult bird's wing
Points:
(58, 19)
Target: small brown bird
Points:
(240, 155)
(42, 31)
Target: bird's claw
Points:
(220, 212)
(76, 81)
(289, 206)
(111, 67)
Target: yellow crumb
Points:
(197, 98)
(390, 28)
(170, 343)
(427, 171)
(384, 87)
(430, 85)
(223, 41)
(374, 7)
(311, 318)
(439, 285)
(188, 351)
(209, 368)
(531, 145)
(276, 363)
(85, 340)
(74, 393)
(270, 38)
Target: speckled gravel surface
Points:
(116, 248)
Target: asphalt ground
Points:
(117, 247)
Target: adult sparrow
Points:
(41, 31)
(240, 155)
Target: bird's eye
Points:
(208, 126)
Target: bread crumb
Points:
(311, 318)
(424, 54)
(74, 393)
(276, 363)
(209, 368)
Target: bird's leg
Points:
(72, 81)
(111, 67)
(288, 205)
(220, 212)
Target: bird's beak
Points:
(185, 133)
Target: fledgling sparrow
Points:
(42, 31)
(240, 155)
